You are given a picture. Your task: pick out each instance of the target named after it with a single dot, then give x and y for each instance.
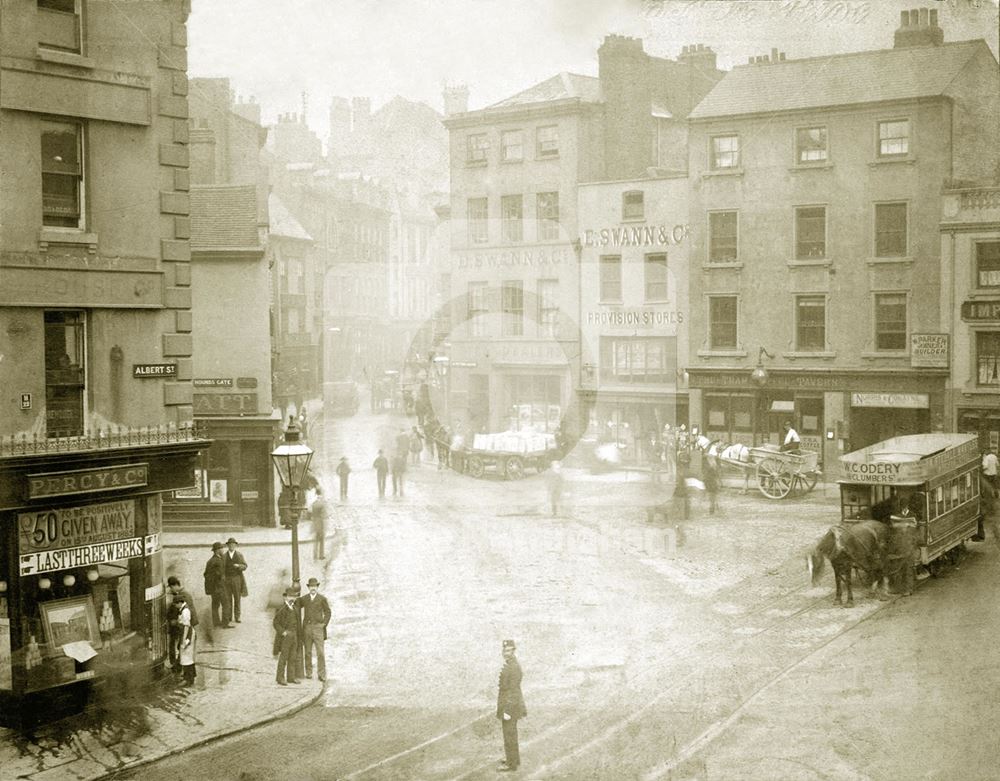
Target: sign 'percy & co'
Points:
(87, 481)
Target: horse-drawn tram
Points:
(927, 482)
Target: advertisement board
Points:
(70, 527)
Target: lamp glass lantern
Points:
(291, 458)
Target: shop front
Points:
(82, 606)
(634, 421)
(833, 411)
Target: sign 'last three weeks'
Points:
(87, 555)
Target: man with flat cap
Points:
(315, 618)
(286, 637)
(510, 706)
(236, 584)
(215, 587)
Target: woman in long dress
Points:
(186, 640)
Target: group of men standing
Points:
(301, 620)
(225, 583)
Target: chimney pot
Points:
(701, 47)
(914, 18)
(904, 18)
(774, 55)
(750, 60)
(923, 17)
(782, 56)
(934, 17)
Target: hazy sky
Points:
(276, 49)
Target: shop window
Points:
(547, 141)
(512, 300)
(60, 25)
(742, 413)
(633, 206)
(62, 174)
(655, 277)
(611, 278)
(477, 309)
(511, 216)
(219, 472)
(548, 307)
(890, 230)
(717, 413)
(725, 152)
(442, 316)
(638, 359)
(890, 321)
(547, 216)
(894, 138)
(477, 217)
(988, 264)
(810, 145)
(477, 149)
(722, 322)
(512, 146)
(810, 323)
(988, 359)
(533, 402)
(723, 237)
(65, 373)
(810, 232)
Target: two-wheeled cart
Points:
(779, 474)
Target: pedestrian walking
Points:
(343, 471)
(174, 589)
(416, 446)
(398, 470)
(381, 467)
(669, 439)
(286, 640)
(403, 443)
(236, 582)
(991, 481)
(554, 478)
(711, 477)
(215, 587)
(318, 513)
(510, 706)
(186, 640)
(315, 619)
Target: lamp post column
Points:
(295, 516)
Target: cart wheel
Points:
(475, 466)
(772, 479)
(514, 468)
(809, 480)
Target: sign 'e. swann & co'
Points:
(635, 236)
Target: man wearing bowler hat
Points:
(315, 618)
(236, 584)
(215, 587)
(286, 637)
(510, 706)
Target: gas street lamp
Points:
(759, 378)
(291, 460)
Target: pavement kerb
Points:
(288, 710)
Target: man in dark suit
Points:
(510, 706)
(215, 587)
(286, 637)
(236, 583)
(315, 618)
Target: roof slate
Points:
(559, 87)
(837, 80)
(224, 217)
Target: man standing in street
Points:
(554, 477)
(398, 470)
(343, 470)
(215, 587)
(381, 467)
(174, 589)
(318, 513)
(510, 706)
(315, 619)
(286, 640)
(990, 474)
(236, 583)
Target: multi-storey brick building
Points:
(95, 337)
(815, 210)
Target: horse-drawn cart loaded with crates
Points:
(508, 454)
(778, 474)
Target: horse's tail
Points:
(817, 563)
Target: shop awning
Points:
(782, 406)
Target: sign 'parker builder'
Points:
(87, 555)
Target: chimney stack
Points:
(918, 27)
(699, 56)
(456, 99)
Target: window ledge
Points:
(815, 262)
(983, 294)
(979, 390)
(810, 167)
(512, 162)
(824, 355)
(892, 161)
(633, 219)
(609, 302)
(540, 158)
(47, 236)
(722, 353)
(735, 264)
(63, 58)
(874, 356)
(476, 163)
(722, 172)
(890, 261)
